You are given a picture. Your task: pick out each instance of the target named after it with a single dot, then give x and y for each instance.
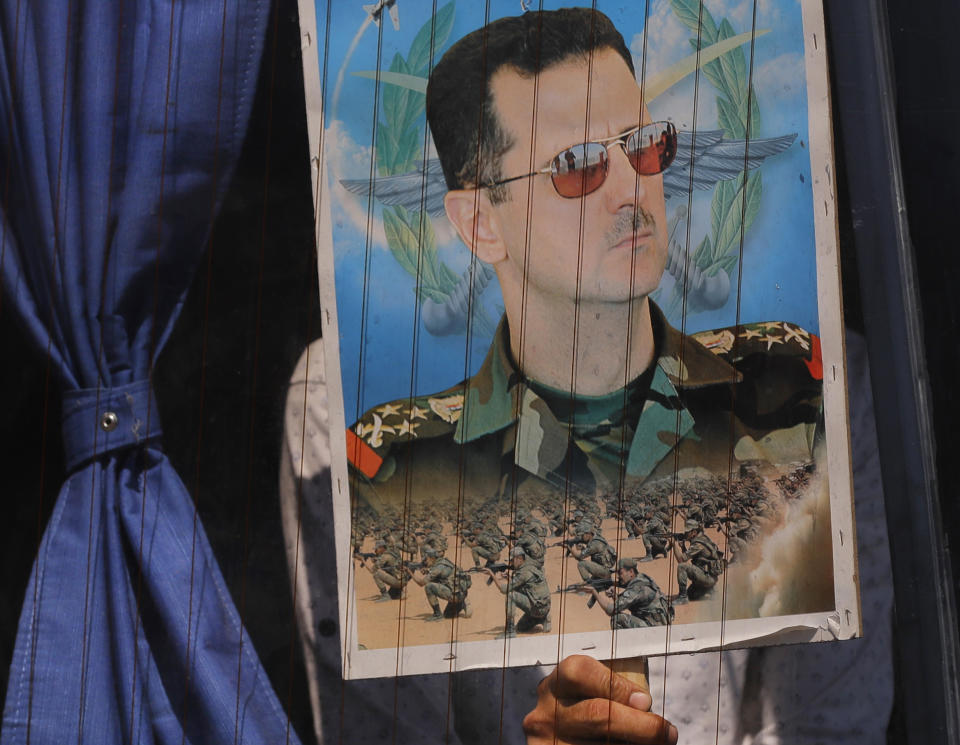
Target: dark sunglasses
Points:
(581, 169)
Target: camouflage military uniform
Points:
(640, 604)
(654, 537)
(708, 511)
(528, 590)
(406, 541)
(488, 548)
(533, 546)
(444, 582)
(597, 559)
(714, 400)
(436, 541)
(388, 574)
(532, 525)
(633, 519)
(701, 571)
(740, 532)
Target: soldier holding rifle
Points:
(385, 566)
(442, 580)
(527, 590)
(699, 564)
(640, 604)
(596, 558)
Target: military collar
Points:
(492, 396)
(685, 360)
(495, 396)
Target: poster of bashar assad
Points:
(583, 339)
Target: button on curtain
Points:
(121, 122)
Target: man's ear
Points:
(477, 223)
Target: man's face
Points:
(625, 575)
(613, 241)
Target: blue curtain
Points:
(121, 122)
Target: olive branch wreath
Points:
(410, 235)
(737, 110)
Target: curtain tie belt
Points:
(97, 421)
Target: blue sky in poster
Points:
(386, 352)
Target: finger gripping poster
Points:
(582, 365)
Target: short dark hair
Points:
(460, 109)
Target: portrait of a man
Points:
(595, 437)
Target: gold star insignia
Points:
(770, 325)
(771, 340)
(417, 413)
(406, 427)
(389, 410)
(751, 334)
(796, 334)
(377, 431)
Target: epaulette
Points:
(371, 438)
(769, 338)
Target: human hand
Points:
(582, 701)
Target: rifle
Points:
(412, 567)
(599, 584)
(567, 543)
(672, 536)
(499, 566)
(723, 520)
(363, 556)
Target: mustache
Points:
(628, 223)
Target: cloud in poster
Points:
(781, 78)
(346, 159)
(740, 13)
(668, 41)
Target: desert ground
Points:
(403, 622)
